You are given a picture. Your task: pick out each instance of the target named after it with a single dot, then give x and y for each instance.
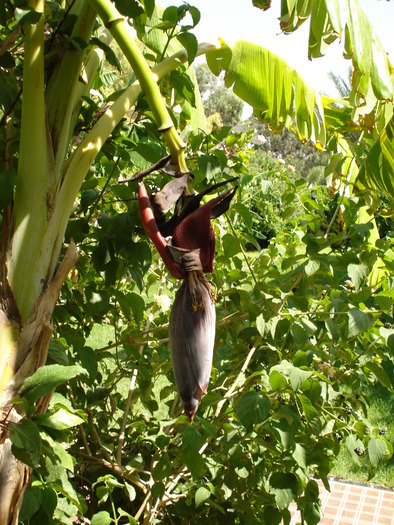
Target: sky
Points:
(234, 20)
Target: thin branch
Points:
(182, 470)
(97, 437)
(133, 380)
(147, 171)
(242, 250)
(238, 379)
(10, 108)
(335, 215)
(10, 40)
(122, 472)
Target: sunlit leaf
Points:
(358, 322)
(47, 378)
(285, 487)
(26, 441)
(202, 494)
(377, 451)
(377, 169)
(101, 518)
(252, 408)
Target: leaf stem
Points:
(34, 174)
(121, 33)
(64, 82)
(133, 380)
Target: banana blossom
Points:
(186, 243)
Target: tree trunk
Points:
(23, 350)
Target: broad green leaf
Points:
(297, 377)
(285, 488)
(325, 26)
(209, 165)
(272, 515)
(161, 470)
(252, 408)
(312, 512)
(219, 60)
(201, 495)
(279, 329)
(192, 441)
(261, 325)
(377, 451)
(89, 361)
(48, 378)
(358, 322)
(183, 86)
(101, 518)
(245, 213)
(31, 503)
(129, 8)
(377, 169)
(300, 335)
(65, 459)
(310, 413)
(300, 455)
(230, 245)
(26, 441)
(130, 490)
(312, 266)
(332, 329)
(27, 16)
(88, 197)
(189, 42)
(276, 91)
(77, 230)
(358, 274)
(286, 426)
(62, 419)
(132, 521)
(354, 444)
(137, 305)
(369, 58)
(277, 380)
(171, 15)
(380, 374)
(139, 256)
(97, 304)
(48, 504)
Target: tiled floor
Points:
(349, 504)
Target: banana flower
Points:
(186, 243)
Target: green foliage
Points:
(297, 322)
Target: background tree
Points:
(217, 99)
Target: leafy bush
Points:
(299, 333)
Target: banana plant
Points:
(54, 51)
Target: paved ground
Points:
(350, 504)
